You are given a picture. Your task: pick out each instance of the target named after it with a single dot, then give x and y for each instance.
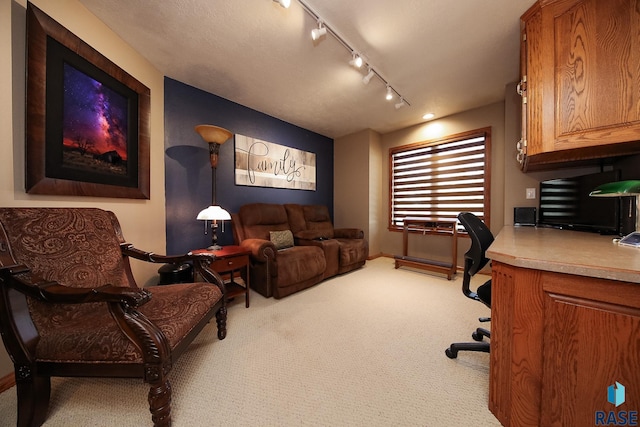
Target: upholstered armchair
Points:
(69, 306)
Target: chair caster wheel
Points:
(476, 336)
(451, 354)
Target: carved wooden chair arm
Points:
(200, 261)
(21, 279)
(131, 251)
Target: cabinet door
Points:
(591, 342)
(531, 83)
(591, 73)
(516, 343)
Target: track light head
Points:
(366, 79)
(400, 104)
(319, 32)
(356, 60)
(283, 3)
(389, 95)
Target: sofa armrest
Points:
(314, 235)
(348, 233)
(261, 250)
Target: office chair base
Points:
(480, 333)
(452, 351)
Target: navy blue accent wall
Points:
(188, 171)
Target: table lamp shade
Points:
(617, 189)
(214, 213)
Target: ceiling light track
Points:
(357, 59)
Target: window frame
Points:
(481, 132)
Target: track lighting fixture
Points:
(356, 60)
(283, 3)
(319, 32)
(366, 79)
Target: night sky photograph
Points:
(94, 124)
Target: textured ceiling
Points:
(442, 56)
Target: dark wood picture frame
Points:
(53, 52)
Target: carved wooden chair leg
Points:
(221, 320)
(33, 398)
(160, 403)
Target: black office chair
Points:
(474, 261)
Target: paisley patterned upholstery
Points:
(79, 248)
(70, 306)
(76, 247)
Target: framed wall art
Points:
(87, 119)
(266, 164)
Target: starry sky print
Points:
(94, 115)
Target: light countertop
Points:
(565, 251)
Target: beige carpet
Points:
(362, 349)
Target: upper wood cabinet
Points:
(580, 71)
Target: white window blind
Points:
(439, 179)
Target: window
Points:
(441, 178)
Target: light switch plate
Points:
(531, 193)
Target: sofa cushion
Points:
(281, 239)
(258, 219)
(175, 309)
(317, 218)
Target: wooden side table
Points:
(231, 259)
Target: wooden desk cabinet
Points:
(560, 339)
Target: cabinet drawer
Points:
(228, 264)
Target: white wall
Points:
(356, 195)
(143, 221)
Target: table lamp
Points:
(629, 188)
(213, 214)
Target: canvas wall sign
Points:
(266, 164)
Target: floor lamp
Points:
(215, 136)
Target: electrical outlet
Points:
(531, 193)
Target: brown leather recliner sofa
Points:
(310, 251)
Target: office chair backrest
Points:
(481, 239)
